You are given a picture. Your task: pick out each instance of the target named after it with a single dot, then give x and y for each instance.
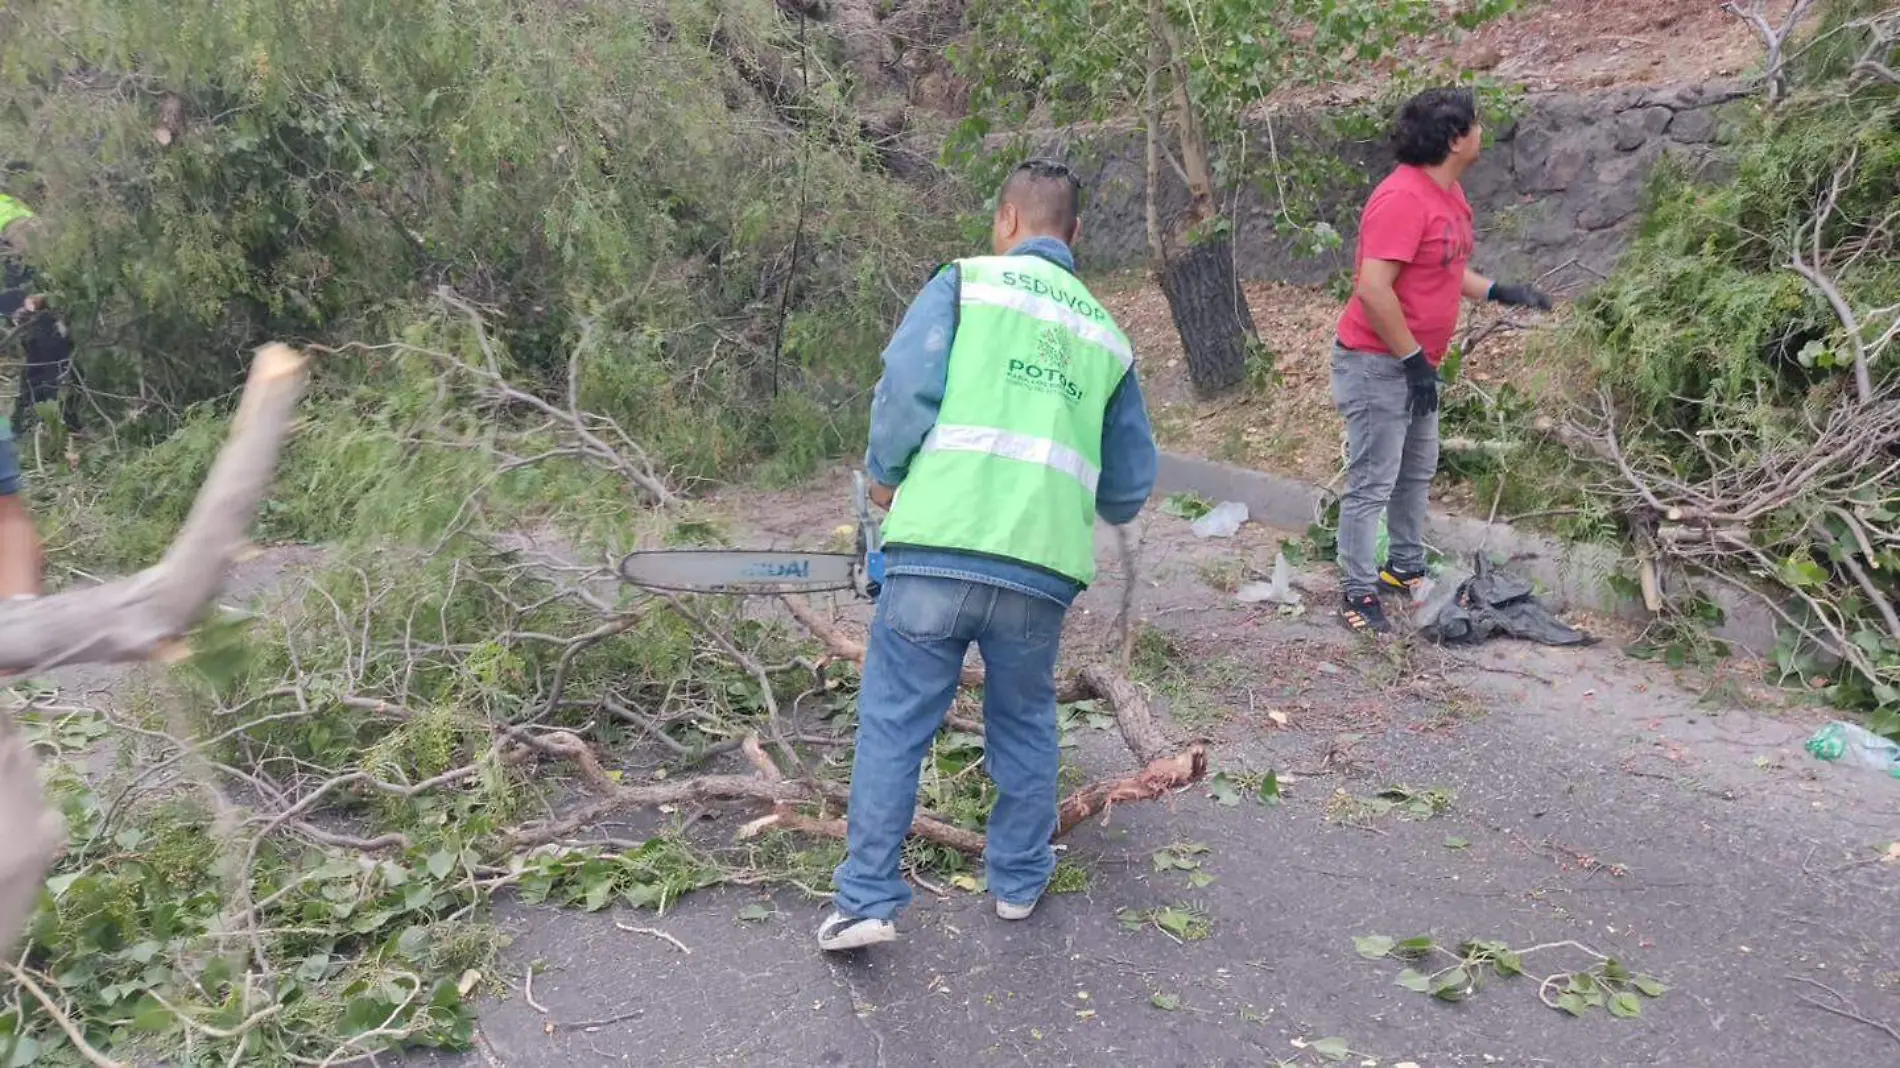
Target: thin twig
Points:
(1851, 1012)
(656, 933)
(65, 1022)
(527, 991)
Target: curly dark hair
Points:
(1430, 122)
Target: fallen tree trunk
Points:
(143, 617)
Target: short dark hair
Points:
(1047, 194)
(1430, 122)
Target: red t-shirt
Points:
(1427, 229)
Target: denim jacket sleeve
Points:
(910, 392)
(1129, 455)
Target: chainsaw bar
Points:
(739, 571)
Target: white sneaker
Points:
(1015, 912)
(840, 932)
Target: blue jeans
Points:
(923, 626)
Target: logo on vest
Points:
(1074, 302)
(1048, 371)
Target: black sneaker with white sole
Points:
(841, 932)
(1363, 614)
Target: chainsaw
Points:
(751, 572)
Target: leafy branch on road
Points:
(1455, 974)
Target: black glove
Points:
(1421, 383)
(1518, 296)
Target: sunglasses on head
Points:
(1049, 168)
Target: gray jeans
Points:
(1390, 459)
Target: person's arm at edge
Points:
(19, 541)
(1129, 455)
(909, 393)
(1476, 286)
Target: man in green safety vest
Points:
(25, 318)
(1007, 419)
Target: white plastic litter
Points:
(1221, 521)
(1278, 590)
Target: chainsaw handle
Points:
(870, 545)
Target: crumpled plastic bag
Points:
(1221, 521)
(1495, 603)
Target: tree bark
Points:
(1151, 126)
(1195, 158)
(1210, 314)
(1209, 308)
(138, 618)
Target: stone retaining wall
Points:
(1560, 185)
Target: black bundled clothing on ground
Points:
(1495, 603)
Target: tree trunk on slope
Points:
(1210, 313)
(1200, 283)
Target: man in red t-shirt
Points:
(1415, 239)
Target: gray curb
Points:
(1575, 573)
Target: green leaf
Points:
(441, 862)
(1454, 985)
(1800, 570)
(153, 1018)
(1269, 793)
(599, 891)
(1509, 963)
(1222, 790)
(26, 1050)
(1417, 945)
(1626, 1005)
(1413, 979)
(1455, 842)
(755, 913)
(1164, 1002)
(1573, 1004)
(1174, 921)
(1374, 947)
(1649, 986)
(1614, 971)
(1200, 880)
(1333, 1049)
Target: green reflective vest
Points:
(11, 211)
(1010, 468)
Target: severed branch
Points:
(1166, 767)
(143, 616)
(623, 456)
(138, 618)
(1883, 36)
(1813, 271)
(1774, 39)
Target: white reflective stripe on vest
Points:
(1014, 446)
(1049, 311)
